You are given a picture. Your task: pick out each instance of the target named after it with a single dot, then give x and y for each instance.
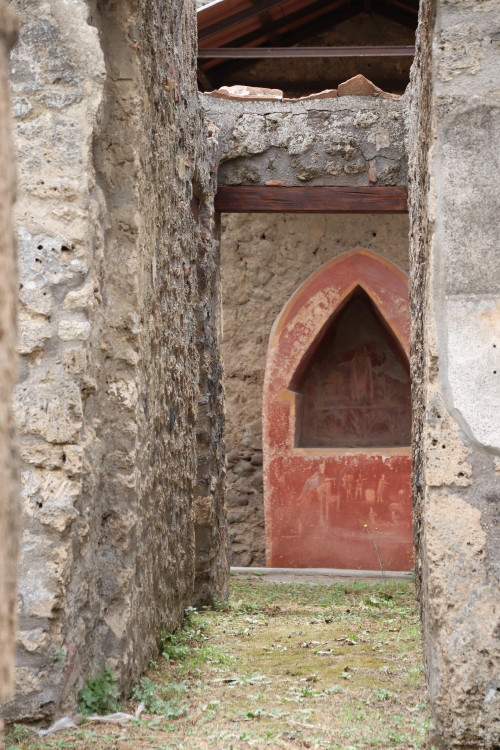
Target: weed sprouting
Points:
(174, 646)
(17, 734)
(381, 694)
(99, 696)
(162, 699)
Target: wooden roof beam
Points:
(300, 17)
(242, 15)
(254, 53)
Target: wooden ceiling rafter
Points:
(406, 7)
(280, 23)
(235, 18)
(316, 26)
(270, 17)
(398, 16)
(277, 25)
(259, 38)
(266, 20)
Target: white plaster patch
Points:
(474, 364)
(382, 139)
(39, 579)
(34, 331)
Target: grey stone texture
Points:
(119, 405)
(349, 140)
(8, 460)
(455, 298)
(265, 257)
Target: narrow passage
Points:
(281, 665)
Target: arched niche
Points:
(355, 383)
(336, 420)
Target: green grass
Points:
(280, 666)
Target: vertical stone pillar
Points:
(454, 131)
(8, 500)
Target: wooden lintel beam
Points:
(234, 53)
(315, 200)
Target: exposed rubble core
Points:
(455, 294)
(119, 405)
(348, 140)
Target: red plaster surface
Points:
(328, 505)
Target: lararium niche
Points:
(337, 421)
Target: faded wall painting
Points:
(337, 421)
(356, 391)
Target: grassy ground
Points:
(281, 666)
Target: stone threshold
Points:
(321, 575)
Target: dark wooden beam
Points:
(236, 18)
(405, 7)
(311, 200)
(266, 20)
(255, 53)
(315, 9)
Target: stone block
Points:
(247, 93)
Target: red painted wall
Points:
(337, 384)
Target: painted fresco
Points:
(356, 391)
(337, 421)
(342, 512)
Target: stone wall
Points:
(119, 406)
(455, 290)
(8, 463)
(344, 140)
(265, 257)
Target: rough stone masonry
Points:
(455, 294)
(354, 140)
(8, 463)
(119, 402)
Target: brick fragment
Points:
(361, 86)
(326, 94)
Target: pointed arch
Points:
(309, 311)
(321, 492)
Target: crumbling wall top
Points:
(356, 139)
